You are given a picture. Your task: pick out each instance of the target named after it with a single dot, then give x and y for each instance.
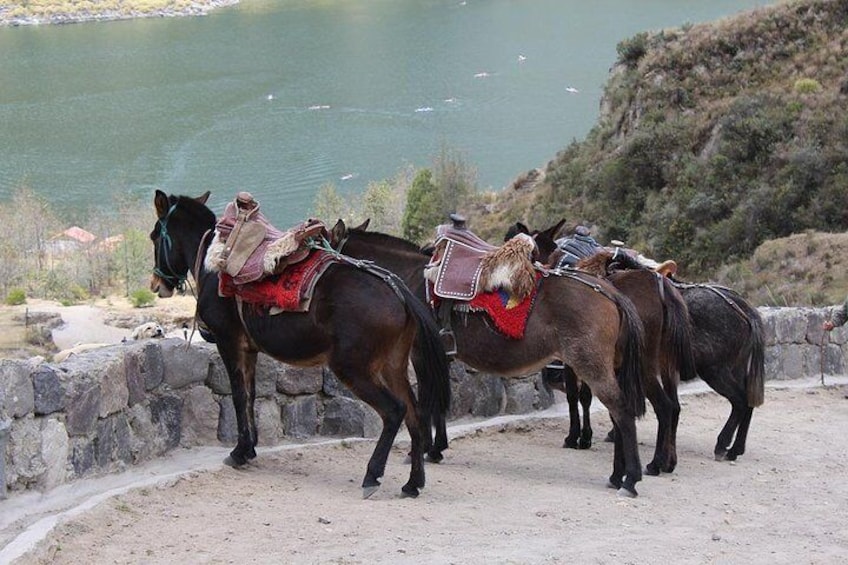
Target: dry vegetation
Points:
(25, 12)
(808, 269)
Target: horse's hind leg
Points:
(390, 409)
(627, 469)
(667, 408)
(738, 447)
(726, 434)
(416, 425)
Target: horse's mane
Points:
(387, 240)
(195, 210)
(596, 264)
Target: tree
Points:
(423, 207)
(330, 205)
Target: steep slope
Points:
(712, 139)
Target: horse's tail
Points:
(755, 351)
(429, 360)
(631, 343)
(677, 332)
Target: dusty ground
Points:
(505, 494)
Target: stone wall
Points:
(108, 408)
(103, 410)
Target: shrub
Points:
(16, 297)
(632, 49)
(142, 298)
(807, 86)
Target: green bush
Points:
(142, 298)
(16, 297)
(807, 86)
(632, 49)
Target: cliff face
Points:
(712, 139)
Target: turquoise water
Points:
(281, 97)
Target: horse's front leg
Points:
(586, 403)
(240, 361)
(572, 395)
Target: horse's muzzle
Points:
(158, 287)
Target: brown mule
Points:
(576, 317)
(362, 323)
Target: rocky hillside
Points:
(712, 139)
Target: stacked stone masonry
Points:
(117, 406)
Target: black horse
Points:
(727, 347)
(362, 323)
(575, 316)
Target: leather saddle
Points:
(248, 248)
(458, 261)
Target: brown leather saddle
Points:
(248, 248)
(459, 260)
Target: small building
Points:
(71, 239)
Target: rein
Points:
(717, 289)
(573, 274)
(164, 247)
(369, 267)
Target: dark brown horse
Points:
(362, 323)
(667, 346)
(576, 317)
(727, 349)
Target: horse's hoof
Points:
(368, 491)
(652, 469)
(434, 457)
(409, 491)
(614, 483)
(720, 455)
(570, 443)
(584, 444)
(230, 461)
(627, 492)
(610, 438)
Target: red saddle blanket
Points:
(290, 291)
(508, 314)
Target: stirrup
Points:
(448, 341)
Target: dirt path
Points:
(505, 494)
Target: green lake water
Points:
(281, 97)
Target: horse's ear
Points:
(516, 229)
(364, 225)
(337, 233)
(556, 228)
(203, 197)
(161, 203)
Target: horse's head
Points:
(173, 237)
(340, 231)
(545, 239)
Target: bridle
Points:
(164, 244)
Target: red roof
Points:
(78, 234)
